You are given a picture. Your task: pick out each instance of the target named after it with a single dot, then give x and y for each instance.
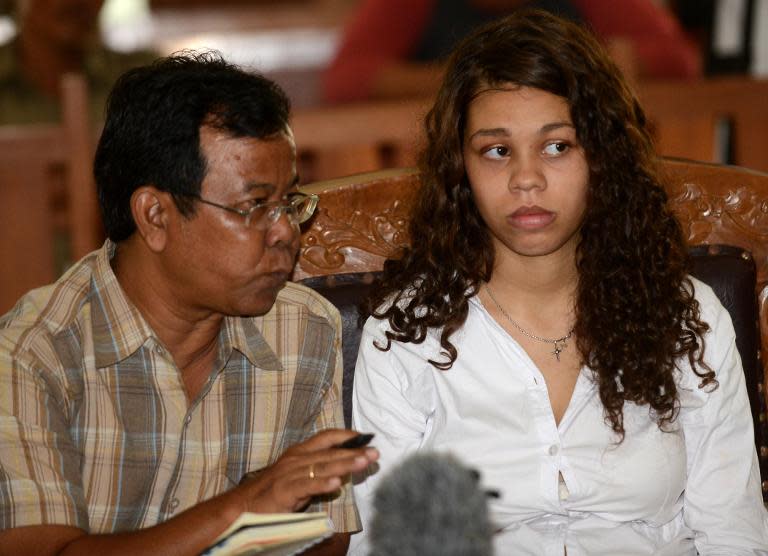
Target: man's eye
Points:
(557, 148)
(496, 153)
(251, 203)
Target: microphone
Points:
(430, 505)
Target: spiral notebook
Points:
(271, 534)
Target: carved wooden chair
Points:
(362, 219)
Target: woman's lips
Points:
(531, 218)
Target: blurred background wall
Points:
(360, 74)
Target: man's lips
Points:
(531, 218)
(281, 274)
(276, 279)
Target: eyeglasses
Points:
(299, 207)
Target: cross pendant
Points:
(556, 352)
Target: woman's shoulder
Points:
(711, 308)
(380, 324)
(399, 362)
(402, 297)
(719, 341)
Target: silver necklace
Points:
(559, 344)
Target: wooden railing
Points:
(703, 120)
(48, 208)
(715, 120)
(344, 140)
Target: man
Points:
(138, 390)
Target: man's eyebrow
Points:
(268, 187)
(251, 186)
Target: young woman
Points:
(549, 333)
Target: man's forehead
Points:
(211, 133)
(251, 163)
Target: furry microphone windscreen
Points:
(430, 505)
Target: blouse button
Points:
(553, 450)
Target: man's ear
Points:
(152, 212)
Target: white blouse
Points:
(693, 488)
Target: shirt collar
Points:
(243, 334)
(119, 329)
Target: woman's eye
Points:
(556, 148)
(496, 153)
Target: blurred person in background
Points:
(395, 48)
(56, 37)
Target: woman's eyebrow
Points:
(555, 125)
(490, 132)
(504, 132)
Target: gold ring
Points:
(312, 471)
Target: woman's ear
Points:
(152, 210)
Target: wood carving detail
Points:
(703, 214)
(328, 242)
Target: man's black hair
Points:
(152, 130)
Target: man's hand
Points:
(311, 468)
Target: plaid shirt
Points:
(95, 427)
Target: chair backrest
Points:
(48, 205)
(363, 219)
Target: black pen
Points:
(355, 442)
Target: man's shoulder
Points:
(306, 299)
(47, 312)
(301, 324)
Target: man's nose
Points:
(285, 229)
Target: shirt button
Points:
(159, 350)
(174, 504)
(553, 450)
(187, 419)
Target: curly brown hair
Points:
(636, 314)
